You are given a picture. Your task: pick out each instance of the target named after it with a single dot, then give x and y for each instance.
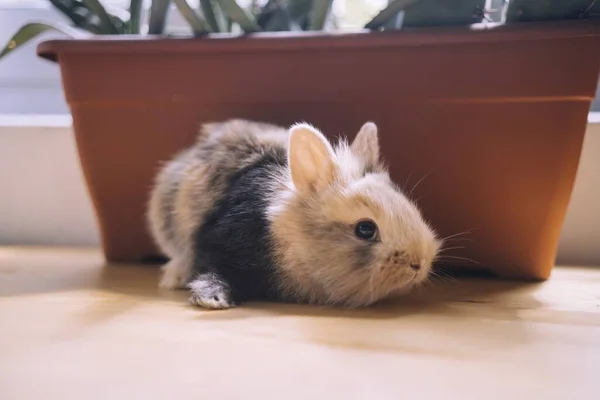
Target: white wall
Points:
(42, 193)
(29, 84)
(43, 199)
(580, 239)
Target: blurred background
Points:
(42, 193)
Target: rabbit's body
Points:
(239, 221)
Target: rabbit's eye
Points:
(366, 230)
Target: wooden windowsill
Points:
(75, 329)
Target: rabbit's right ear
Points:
(311, 159)
(366, 145)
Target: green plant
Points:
(443, 12)
(91, 17)
(545, 10)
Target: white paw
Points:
(212, 303)
(175, 276)
(210, 294)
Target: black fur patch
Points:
(234, 241)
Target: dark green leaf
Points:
(275, 16)
(238, 15)
(299, 8)
(135, 12)
(158, 16)
(547, 10)
(106, 20)
(210, 16)
(197, 23)
(319, 14)
(300, 11)
(440, 13)
(78, 13)
(281, 20)
(31, 31)
(387, 13)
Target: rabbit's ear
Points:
(366, 145)
(311, 159)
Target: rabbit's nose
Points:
(415, 267)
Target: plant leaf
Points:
(300, 11)
(197, 23)
(209, 15)
(31, 31)
(275, 16)
(78, 13)
(238, 15)
(117, 12)
(158, 16)
(299, 8)
(106, 20)
(135, 13)
(389, 12)
(548, 10)
(281, 20)
(435, 13)
(319, 14)
(228, 23)
(223, 21)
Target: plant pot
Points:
(489, 121)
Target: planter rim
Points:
(286, 41)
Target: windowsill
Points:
(35, 121)
(65, 120)
(594, 117)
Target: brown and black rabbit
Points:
(255, 211)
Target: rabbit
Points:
(254, 211)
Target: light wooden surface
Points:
(71, 328)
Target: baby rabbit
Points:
(256, 212)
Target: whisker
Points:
(451, 248)
(425, 282)
(446, 257)
(458, 239)
(407, 179)
(417, 184)
(457, 234)
(434, 273)
(443, 276)
(431, 278)
(371, 288)
(371, 284)
(441, 280)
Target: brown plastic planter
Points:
(493, 118)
